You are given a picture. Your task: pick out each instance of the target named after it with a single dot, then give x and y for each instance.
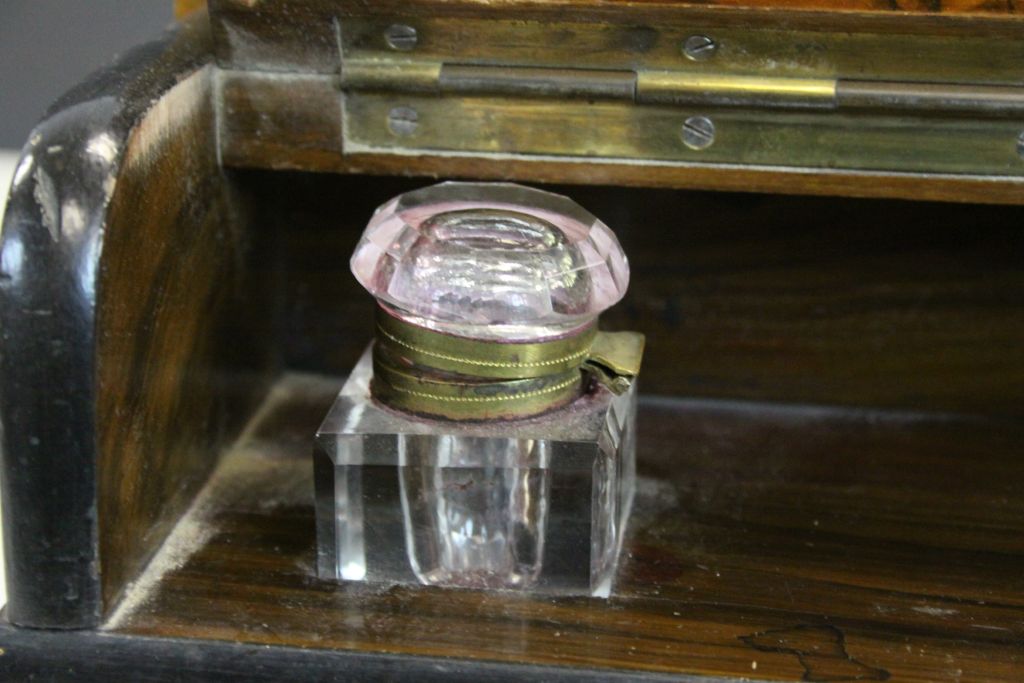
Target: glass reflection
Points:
(477, 527)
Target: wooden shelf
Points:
(768, 542)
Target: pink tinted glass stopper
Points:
(490, 261)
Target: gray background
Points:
(46, 46)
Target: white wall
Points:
(47, 46)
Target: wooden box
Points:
(822, 208)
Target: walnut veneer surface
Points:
(767, 542)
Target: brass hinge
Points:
(759, 97)
(678, 87)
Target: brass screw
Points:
(400, 37)
(403, 121)
(698, 132)
(698, 48)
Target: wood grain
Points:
(773, 543)
(168, 308)
(302, 35)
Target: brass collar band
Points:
(480, 358)
(415, 392)
(425, 372)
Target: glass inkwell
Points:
(486, 439)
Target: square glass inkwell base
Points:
(539, 503)
(486, 438)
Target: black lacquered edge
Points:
(103, 656)
(50, 259)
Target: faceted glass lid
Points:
(490, 261)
